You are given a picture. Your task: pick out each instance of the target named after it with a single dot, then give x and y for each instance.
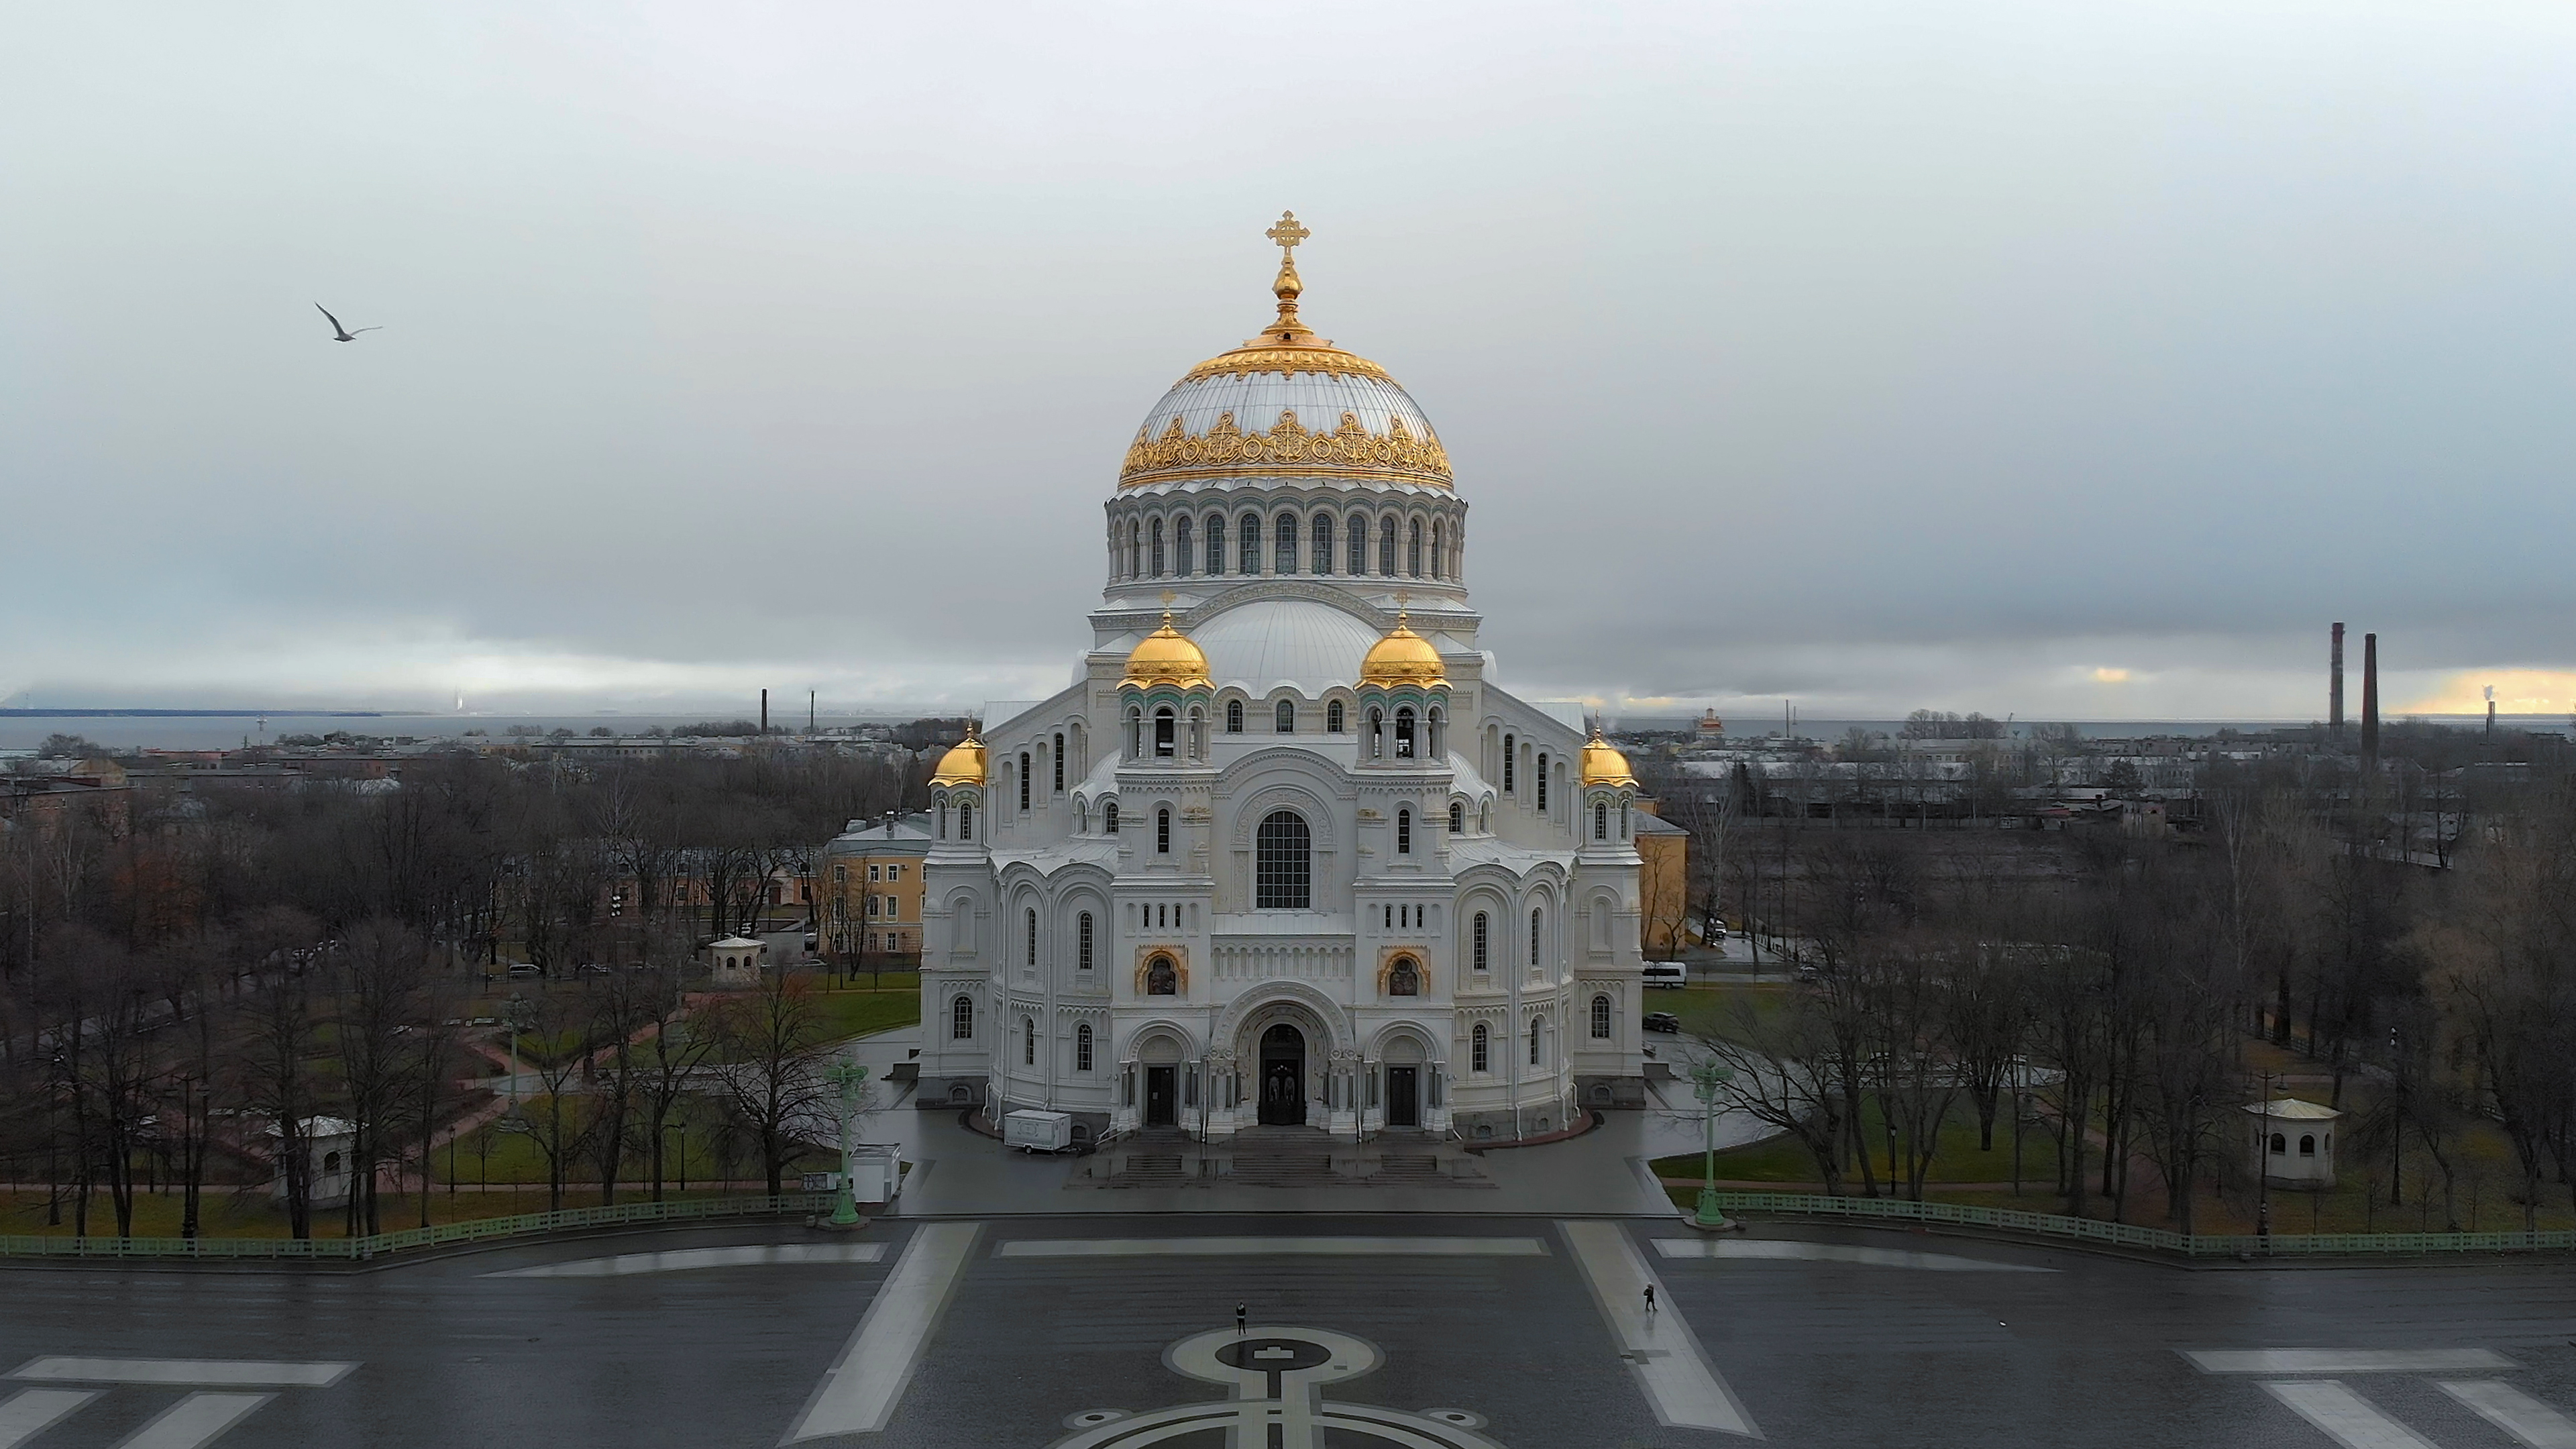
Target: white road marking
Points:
(1272, 1248)
(679, 1260)
(2346, 1360)
(1671, 1367)
(2528, 1420)
(26, 1412)
(2346, 1417)
(194, 1420)
(213, 1372)
(860, 1390)
(1760, 1248)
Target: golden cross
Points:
(1286, 232)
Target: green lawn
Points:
(1782, 1159)
(1720, 1010)
(862, 1012)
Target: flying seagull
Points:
(338, 332)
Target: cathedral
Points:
(1284, 853)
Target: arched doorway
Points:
(1283, 1077)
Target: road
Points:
(1472, 1331)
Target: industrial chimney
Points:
(764, 714)
(2370, 703)
(2334, 690)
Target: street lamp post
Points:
(1708, 1079)
(849, 1079)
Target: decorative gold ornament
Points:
(963, 764)
(1604, 765)
(1262, 354)
(1401, 658)
(1166, 656)
(1288, 447)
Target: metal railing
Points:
(476, 1230)
(2125, 1235)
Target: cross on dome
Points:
(1287, 231)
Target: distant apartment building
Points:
(869, 892)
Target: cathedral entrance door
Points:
(1161, 1097)
(1403, 1097)
(1283, 1077)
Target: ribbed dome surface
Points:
(1284, 641)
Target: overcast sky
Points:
(2070, 360)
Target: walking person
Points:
(1242, 1316)
(1650, 1299)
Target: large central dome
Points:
(1286, 403)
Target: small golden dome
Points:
(1166, 656)
(1402, 658)
(963, 764)
(1604, 765)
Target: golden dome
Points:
(1604, 765)
(1166, 656)
(1402, 658)
(963, 764)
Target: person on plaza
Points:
(1650, 1299)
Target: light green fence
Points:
(2123, 1235)
(28, 1245)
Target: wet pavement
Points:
(1459, 1330)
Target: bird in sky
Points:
(338, 332)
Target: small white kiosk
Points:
(736, 961)
(328, 1165)
(2294, 1143)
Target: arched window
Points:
(1600, 820)
(1507, 764)
(2307, 1144)
(1028, 1042)
(1157, 548)
(1359, 544)
(1283, 718)
(1601, 1018)
(1480, 1049)
(1024, 780)
(1542, 782)
(1283, 865)
(1286, 543)
(1386, 546)
(1082, 1048)
(1534, 1049)
(1059, 764)
(966, 820)
(2280, 1144)
(1162, 978)
(1109, 818)
(1534, 935)
(1404, 832)
(1483, 934)
(1216, 544)
(1135, 734)
(1457, 817)
(1404, 734)
(1234, 716)
(1376, 734)
(1413, 550)
(1333, 717)
(1247, 557)
(1404, 978)
(1135, 550)
(1323, 543)
(1163, 831)
(1163, 733)
(330, 1162)
(1181, 547)
(1432, 721)
(1438, 557)
(1033, 938)
(961, 1019)
(1082, 942)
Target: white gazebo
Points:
(2293, 1143)
(736, 961)
(328, 1161)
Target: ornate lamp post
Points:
(850, 1080)
(1708, 1079)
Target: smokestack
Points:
(764, 714)
(2370, 701)
(2334, 690)
(2490, 711)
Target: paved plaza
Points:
(1119, 1332)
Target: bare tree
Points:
(768, 1037)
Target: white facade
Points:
(1280, 891)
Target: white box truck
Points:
(1034, 1131)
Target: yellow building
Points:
(1663, 885)
(869, 898)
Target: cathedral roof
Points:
(1166, 656)
(1604, 765)
(1286, 403)
(1298, 642)
(963, 764)
(1403, 657)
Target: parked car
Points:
(1662, 1021)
